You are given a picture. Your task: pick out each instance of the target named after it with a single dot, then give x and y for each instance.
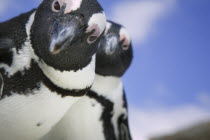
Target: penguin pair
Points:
(101, 114)
(47, 61)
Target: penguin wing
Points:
(124, 132)
(6, 46)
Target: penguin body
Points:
(47, 61)
(103, 111)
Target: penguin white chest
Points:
(82, 122)
(30, 117)
(85, 116)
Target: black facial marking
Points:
(116, 63)
(106, 115)
(48, 26)
(92, 8)
(25, 82)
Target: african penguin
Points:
(47, 61)
(102, 114)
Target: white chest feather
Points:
(83, 120)
(76, 80)
(114, 92)
(30, 117)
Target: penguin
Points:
(103, 111)
(47, 62)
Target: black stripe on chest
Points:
(24, 82)
(123, 127)
(122, 122)
(106, 116)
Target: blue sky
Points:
(176, 58)
(170, 73)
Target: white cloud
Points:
(147, 123)
(3, 6)
(140, 16)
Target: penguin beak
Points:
(111, 43)
(66, 37)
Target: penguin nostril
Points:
(63, 33)
(91, 39)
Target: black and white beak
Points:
(111, 43)
(67, 36)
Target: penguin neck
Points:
(71, 80)
(107, 85)
(79, 80)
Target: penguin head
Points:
(65, 33)
(115, 54)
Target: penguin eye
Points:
(56, 7)
(125, 40)
(91, 39)
(125, 47)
